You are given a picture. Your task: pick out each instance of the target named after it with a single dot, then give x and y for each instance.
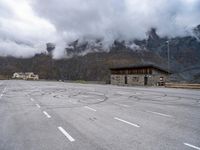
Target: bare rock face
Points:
(50, 47)
(197, 32)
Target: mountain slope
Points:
(91, 60)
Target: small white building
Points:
(18, 75)
(31, 76)
(25, 76)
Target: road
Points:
(67, 116)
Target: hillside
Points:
(89, 61)
(93, 66)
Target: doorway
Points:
(126, 80)
(145, 80)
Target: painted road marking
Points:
(90, 108)
(46, 114)
(121, 105)
(71, 139)
(38, 106)
(192, 146)
(161, 114)
(4, 90)
(135, 125)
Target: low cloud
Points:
(25, 24)
(11, 48)
(22, 32)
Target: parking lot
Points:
(45, 115)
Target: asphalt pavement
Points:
(41, 115)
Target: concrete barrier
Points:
(182, 85)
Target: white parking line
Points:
(192, 146)
(135, 125)
(46, 114)
(121, 105)
(161, 114)
(38, 106)
(90, 108)
(71, 139)
(4, 90)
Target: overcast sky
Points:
(26, 25)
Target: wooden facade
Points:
(132, 71)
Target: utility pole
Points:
(168, 55)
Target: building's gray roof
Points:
(137, 66)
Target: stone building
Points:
(150, 75)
